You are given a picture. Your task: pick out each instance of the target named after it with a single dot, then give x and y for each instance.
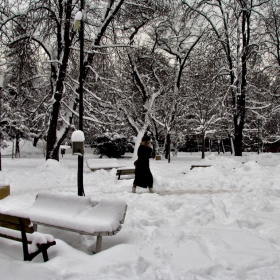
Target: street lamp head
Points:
(259, 117)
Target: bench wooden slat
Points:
(13, 238)
(67, 228)
(127, 171)
(16, 227)
(105, 233)
(49, 243)
(39, 245)
(124, 215)
(16, 223)
(14, 220)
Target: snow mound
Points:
(219, 161)
(267, 159)
(26, 149)
(52, 166)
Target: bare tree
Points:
(51, 28)
(232, 24)
(177, 35)
(205, 96)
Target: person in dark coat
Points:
(143, 175)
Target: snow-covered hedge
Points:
(111, 145)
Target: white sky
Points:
(221, 222)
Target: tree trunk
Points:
(17, 144)
(231, 144)
(239, 118)
(167, 147)
(223, 147)
(52, 150)
(35, 141)
(52, 142)
(238, 137)
(203, 145)
(138, 141)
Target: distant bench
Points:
(103, 163)
(194, 166)
(127, 155)
(79, 214)
(125, 171)
(20, 229)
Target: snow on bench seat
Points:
(103, 163)
(127, 155)
(79, 214)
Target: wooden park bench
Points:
(127, 155)
(79, 214)
(194, 166)
(20, 229)
(103, 163)
(125, 171)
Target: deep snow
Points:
(220, 222)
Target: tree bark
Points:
(52, 142)
(239, 118)
(168, 143)
(203, 145)
(35, 141)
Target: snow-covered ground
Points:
(220, 222)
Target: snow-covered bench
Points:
(127, 155)
(79, 214)
(19, 228)
(127, 170)
(103, 163)
(194, 166)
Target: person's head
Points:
(146, 141)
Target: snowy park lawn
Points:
(220, 222)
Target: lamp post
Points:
(79, 24)
(1, 86)
(258, 118)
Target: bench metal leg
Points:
(45, 255)
(98, 243)
(24, 242)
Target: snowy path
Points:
(221, 222)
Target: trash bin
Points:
(4, 190)
(158, 157)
